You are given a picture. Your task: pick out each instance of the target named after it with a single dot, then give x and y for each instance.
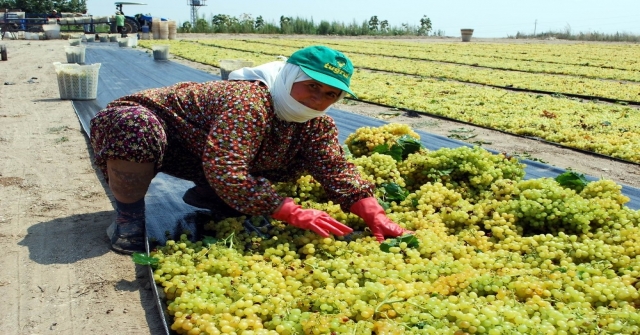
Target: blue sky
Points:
(489, 18)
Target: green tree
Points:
(384, 26)
(425, 26)
(324, 28)
(373, 23)
(186, 27)
(259, 22)
(202, 26)
(45, 6)
(247, 22)
(221, 23)
(285, 24)
(221, 20)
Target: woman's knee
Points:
(129, 181)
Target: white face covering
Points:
(279, 78)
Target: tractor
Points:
(132, 24)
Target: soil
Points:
(59, 275)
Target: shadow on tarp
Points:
(125, 70)
(170, 216)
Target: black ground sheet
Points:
(126, 70)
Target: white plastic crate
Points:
(52, 31)
(123, 42)
(133, 41)
(77, 82)
(31, 36)
(75, 54)
(160, 52)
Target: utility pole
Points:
(535, 25)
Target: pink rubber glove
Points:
(318, 221)
(373, 215)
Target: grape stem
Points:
(324, 252)
(355, 329)
(229, 239)
(313, 266)
(386, 301)
(201, 255)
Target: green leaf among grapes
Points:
(409, 239)
(572, 180)
(409, 145)
(208, 241)
(440, 173)
(386, 246)
(395, 151)
(404, 146)
(382, 149)
(143, 259)
(393, 192)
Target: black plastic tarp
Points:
(126, 70)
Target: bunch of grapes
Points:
(365, 139)
(604, 189)
(542, 205)
(470, 170)
(379, 169)
(305, 188)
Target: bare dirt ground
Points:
(58, 274)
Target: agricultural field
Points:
(492, 253)
(574, 95)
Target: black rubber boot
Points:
(127, 237)
(127, 232)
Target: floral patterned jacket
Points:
(244, 146)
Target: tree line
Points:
(246, 24)
(45, 6)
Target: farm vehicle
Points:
(133, 24)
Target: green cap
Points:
(325, 65)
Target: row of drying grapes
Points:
(492, 254)
(606, 129)
(605, 55)
(593, 87)
(552, 59)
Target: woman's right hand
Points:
(312, 219)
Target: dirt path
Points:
(59, 276)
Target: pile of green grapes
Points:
(496, 255)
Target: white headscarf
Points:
(279, 77)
